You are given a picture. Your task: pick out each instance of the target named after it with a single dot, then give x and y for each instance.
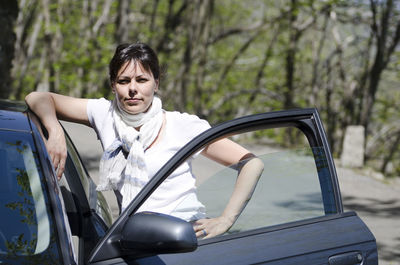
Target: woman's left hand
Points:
(207, 228)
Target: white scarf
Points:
(122, 166)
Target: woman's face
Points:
(134, 88)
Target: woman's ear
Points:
(156, 87)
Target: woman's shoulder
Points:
(103, 102)
(98, 110)
(99, 105)
(185, 122)
(181, 117)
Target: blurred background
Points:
(223, 59)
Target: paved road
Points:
(377, 202)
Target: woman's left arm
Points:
(228, 153)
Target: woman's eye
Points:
(123, 81)
(141, 80)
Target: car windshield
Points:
(26, 226)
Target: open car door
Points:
(295, 215)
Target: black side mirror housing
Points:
(149, 233)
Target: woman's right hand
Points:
(50, 107)
(57, 149)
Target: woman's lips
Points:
(132, 100)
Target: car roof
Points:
(13, 116)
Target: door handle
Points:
(349, 258)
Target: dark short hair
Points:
(138, 52)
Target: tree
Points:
(223, 59)
(370, 55)
(8, 15)
(385, 33)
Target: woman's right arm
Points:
(50, 107)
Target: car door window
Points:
(27, 228)
(88, 213)
(94, 198)
(288, 190)
(291, 187)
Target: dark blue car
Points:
(295, 215)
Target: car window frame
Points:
(59, 216)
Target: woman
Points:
(138, 137)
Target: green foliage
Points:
(214, 51)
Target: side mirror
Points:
(149, 233)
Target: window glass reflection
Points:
(25, 228)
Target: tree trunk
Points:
(153, 21)
(315, 82)
(206, 13)
(290, 58)
(384, 50)
(394, 147)
(27, 56)
(8, 15)
(122, 19)
(171, 23)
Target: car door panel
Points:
(339, 239)
(312, 243)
